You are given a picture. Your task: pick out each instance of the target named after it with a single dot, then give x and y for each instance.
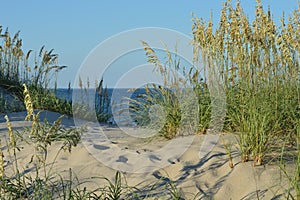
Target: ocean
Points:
(119, 93)
(121, 104)
(117, 105)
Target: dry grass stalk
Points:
(1, 162)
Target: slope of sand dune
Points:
(193, 172)
(11, 101)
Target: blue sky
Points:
(74, 28)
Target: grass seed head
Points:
(28, 103)
(12, 141)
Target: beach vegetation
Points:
(15, 184)
(258, 64)
(257, 61)
(38, 70)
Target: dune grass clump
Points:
(39, 74)
(91, 103)
(172, 108)
(15, 184)
(258, 62)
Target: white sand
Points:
(208, 175)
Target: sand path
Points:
(104, 149)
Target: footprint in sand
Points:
(100, 147)
(122, 159)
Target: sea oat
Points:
(12, 141)
(28, 103)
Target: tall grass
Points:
(38, 73)
(172, 107)
(15, 184)
(91, 103)
(259, 63)
(16, 66)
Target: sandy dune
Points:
(104, 149)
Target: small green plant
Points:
(174, 191)
(114, 189)
(228, 148)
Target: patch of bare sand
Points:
(208, 176)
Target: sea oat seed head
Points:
(12, 141)
(28, 103)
